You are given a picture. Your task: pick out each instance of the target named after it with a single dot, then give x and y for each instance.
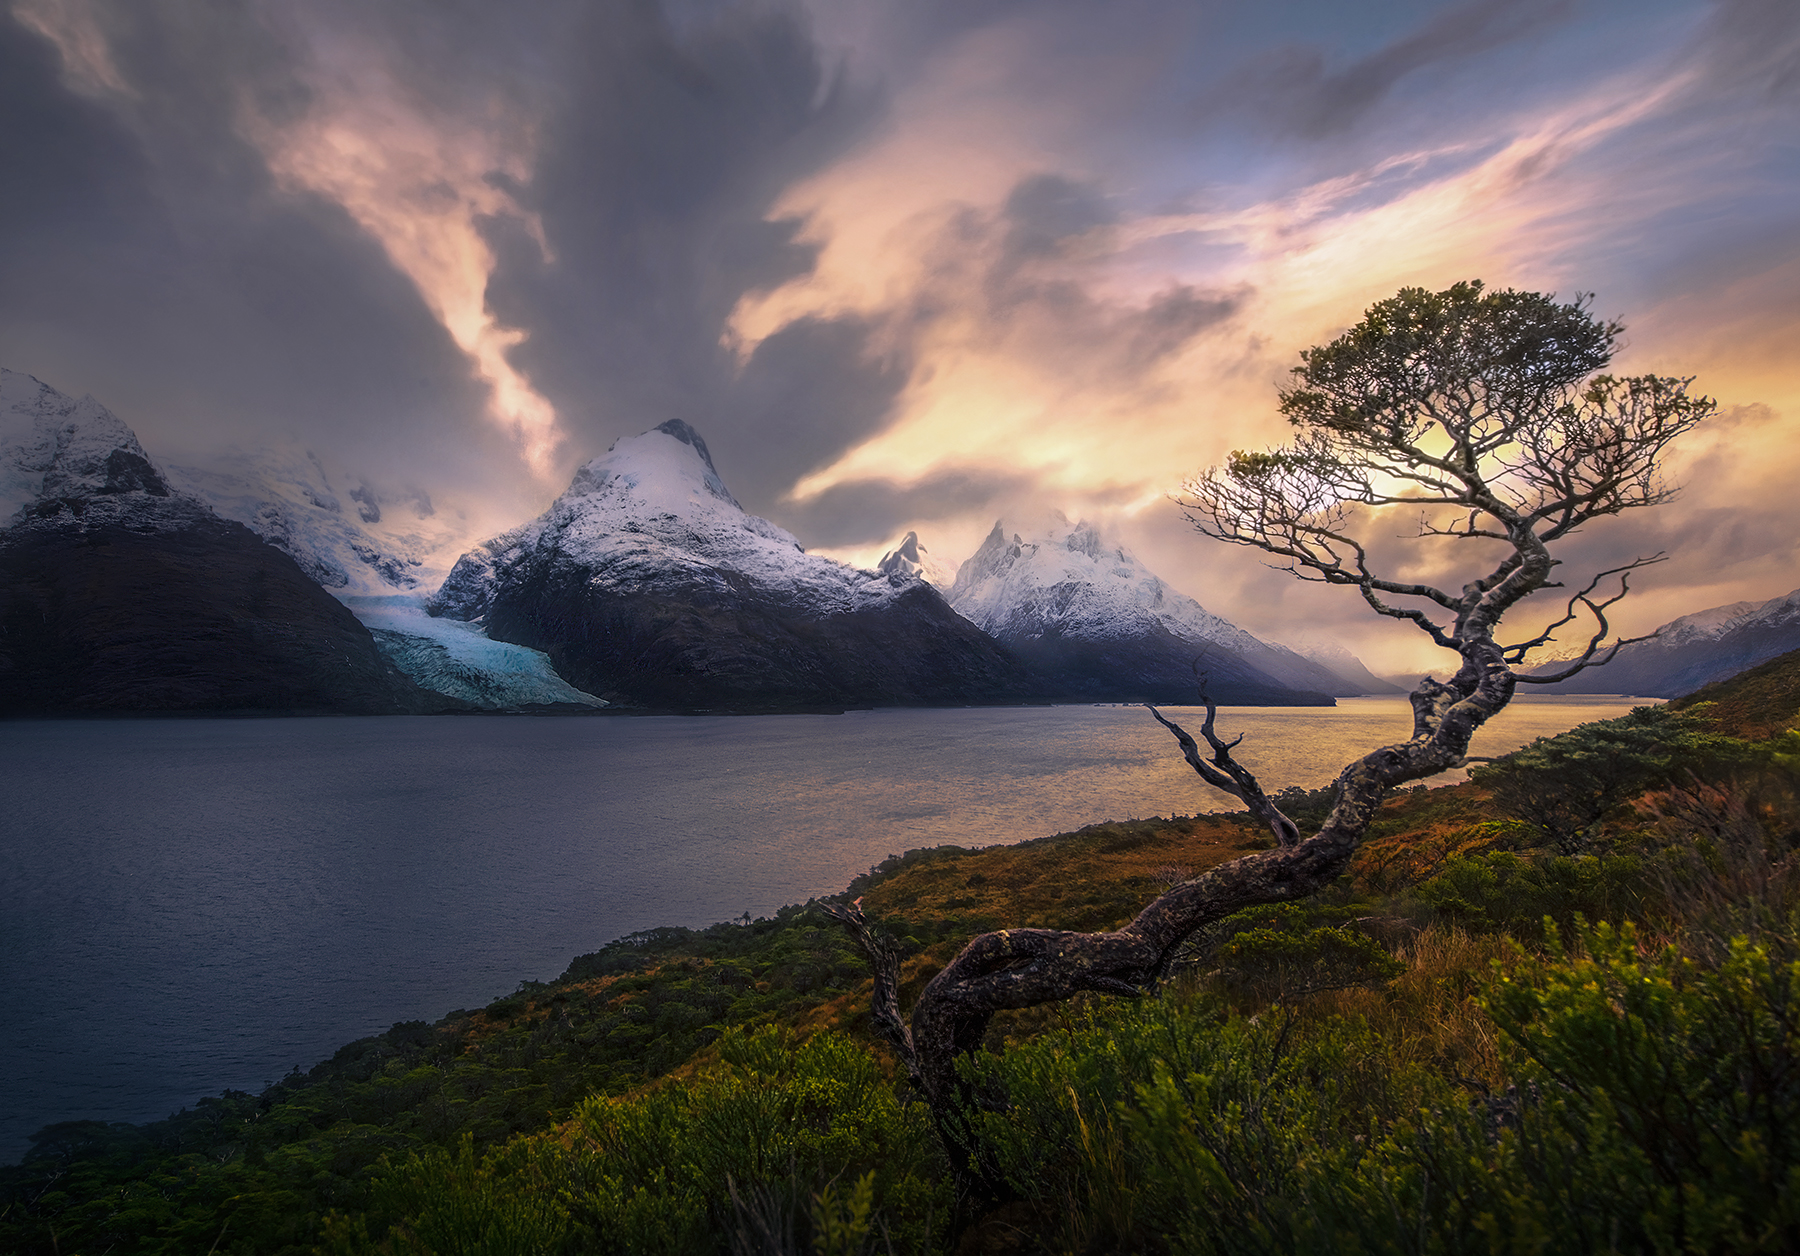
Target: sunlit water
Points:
(189, 905)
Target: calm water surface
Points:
(190, 905)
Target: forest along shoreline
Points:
(1451, 881)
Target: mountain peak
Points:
(911, 558)
(53, 447)
(682, 432)
(662, 469)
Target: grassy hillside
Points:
(1504, 1029)
(1757, 704)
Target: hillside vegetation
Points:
(1553, 1009)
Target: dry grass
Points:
(1095, 878)
(1428, 1014)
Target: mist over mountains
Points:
(271, 580)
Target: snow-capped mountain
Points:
(347, 536)
(1692, 651)
(646, 581)
(379, 553)
(1081, 608)
(1347, 667)
(56, 451)
(909, 557)
(119, 591)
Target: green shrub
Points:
(1505, 892)
(1657, 1110)
(784, 1146)
(1564, 785)
(1173, 1124)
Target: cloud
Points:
(1752, 48)
(858, 518)
(1292, 87)
(74, 27)
(421, 182)
(806, 393)
(658, 162)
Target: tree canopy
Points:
(1484, 413)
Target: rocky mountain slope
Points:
(646, 582)
(1694, 650)
(119, 592)
(1084, 613)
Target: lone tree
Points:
(1484, 415)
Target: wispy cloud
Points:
(74, 26)
(421, 182)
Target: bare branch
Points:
(1586, 661)
(1516, 653)
(885, 961)
(1225, 773)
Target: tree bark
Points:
(1019, 968)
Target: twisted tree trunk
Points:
(1482, 413)
(1018, 968)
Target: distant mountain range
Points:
(1692, 651)
(646, 582)
(270, 581)
(1083, 613)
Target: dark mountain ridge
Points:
(119, 594)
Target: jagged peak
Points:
(911, 557)
(684, 433)
(662, 465)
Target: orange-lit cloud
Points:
(420, 182)
(74, 26)
(1025, 363)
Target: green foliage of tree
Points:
(1287, 951)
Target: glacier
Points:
(379, 554)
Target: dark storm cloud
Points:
(862, 512)
(155, 261)
(146, 258)
(811, 390)
(656, 174)
(1045, 210)
(1294, 87)
(1754, 46)
(1034, 276)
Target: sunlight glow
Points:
(421, 185)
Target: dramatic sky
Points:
(904, 263)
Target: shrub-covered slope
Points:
(1492, 1035)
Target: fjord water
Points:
(190, 905)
